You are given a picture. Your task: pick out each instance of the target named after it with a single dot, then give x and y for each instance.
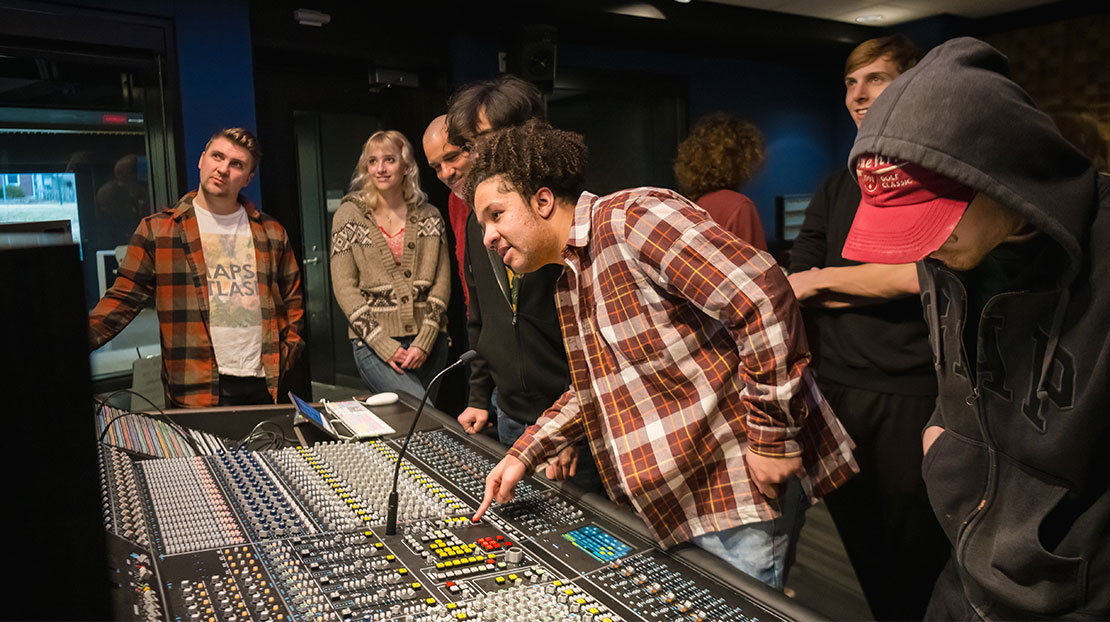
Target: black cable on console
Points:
(276, 440)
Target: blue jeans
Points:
(763, 550)
(508, 429)
(586, 475)
(380, 377)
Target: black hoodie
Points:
(1020, 478)
(520, 351)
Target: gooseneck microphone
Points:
(391, 516)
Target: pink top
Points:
(396, 244)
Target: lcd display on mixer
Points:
(599, 544)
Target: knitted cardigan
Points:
(383, 300)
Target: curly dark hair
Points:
(529, 157)
(721, 152)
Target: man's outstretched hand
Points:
(500, 483)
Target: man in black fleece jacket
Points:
(871, 345)
(521, 367)
(1010, 223)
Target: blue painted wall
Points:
(214, 66)
(217, 77)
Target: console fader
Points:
(297, 534)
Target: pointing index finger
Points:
(487, 499)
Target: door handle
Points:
(313, 260)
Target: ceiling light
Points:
(638, 9)
(873, 18)
(309, 17)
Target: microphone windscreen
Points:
(468, 356)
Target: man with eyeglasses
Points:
(512, 321)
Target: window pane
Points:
(38, 197)
(74, 146)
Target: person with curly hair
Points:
(507, 313)
(720, 155)
(390, 270)
(689, 365)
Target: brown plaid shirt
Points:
(686, 351)
(165, 260)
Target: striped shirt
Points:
(686, 351)
(165, 261)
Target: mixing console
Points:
(119, 488)
(662, 593)
(538, 509)
(188, 511)
(133, 574)
(295, 534)
(145, 435)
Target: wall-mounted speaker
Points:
(537, 56)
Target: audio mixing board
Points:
(298, 534)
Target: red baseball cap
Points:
(906, 211)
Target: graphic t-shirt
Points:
(234, 314)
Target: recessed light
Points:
(873, 18)
(638, 9)
(682, 1)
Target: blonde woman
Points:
(390, 271)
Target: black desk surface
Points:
(235, 422)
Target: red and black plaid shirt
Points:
(686, 351)
(165, 260)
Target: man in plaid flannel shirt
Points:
(687, 354)
(225, 284)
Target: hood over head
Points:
(959, 114)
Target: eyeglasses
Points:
(468, 148)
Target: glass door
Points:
(84, 139)
(328, 147)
